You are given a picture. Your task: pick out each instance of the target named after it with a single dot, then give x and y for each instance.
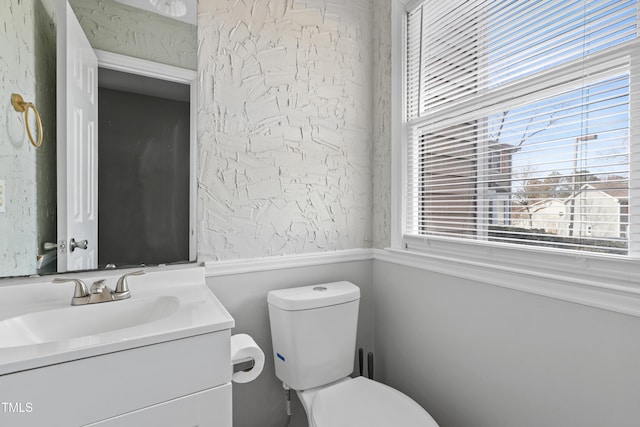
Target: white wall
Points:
(261, 403)
(479, 355)
(284, 127)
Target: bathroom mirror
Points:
(30, 240)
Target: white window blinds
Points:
(519, 124)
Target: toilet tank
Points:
(313, 331)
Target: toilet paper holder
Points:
(244, 365)
(247, 359)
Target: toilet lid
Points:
(362, 402)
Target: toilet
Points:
(313, 331)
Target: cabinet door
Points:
(209, 408)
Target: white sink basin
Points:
(39, 326)
(73, 322)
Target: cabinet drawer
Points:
(210, 408)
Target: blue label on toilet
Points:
(281, 357)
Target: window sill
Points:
(600, 281)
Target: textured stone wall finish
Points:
(126, 30)
(27, 67)
(284, 127)
(382, 123)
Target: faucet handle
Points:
(122, 288)
(81, 293)
(98, 287)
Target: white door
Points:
(77, 155)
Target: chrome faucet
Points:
(99, 291)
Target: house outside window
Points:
(518, 119)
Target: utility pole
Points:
(574, 180)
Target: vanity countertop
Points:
(39, 327)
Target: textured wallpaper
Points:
(27, 67)
(382, 124)
(285, 127)
(122, 29)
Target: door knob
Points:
(82, 244)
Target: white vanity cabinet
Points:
(179, 383)
(159, 358)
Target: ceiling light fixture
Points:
(174, 8)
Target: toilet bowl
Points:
(313, 331)
(361, 402)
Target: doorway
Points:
(146, 164)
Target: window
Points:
(518, 122)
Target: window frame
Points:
(600, 280)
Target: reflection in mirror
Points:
(28, 65)
(143, 169)
(139, 32)
(27, 174)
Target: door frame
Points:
(146, 68)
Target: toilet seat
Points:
(362, 402)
